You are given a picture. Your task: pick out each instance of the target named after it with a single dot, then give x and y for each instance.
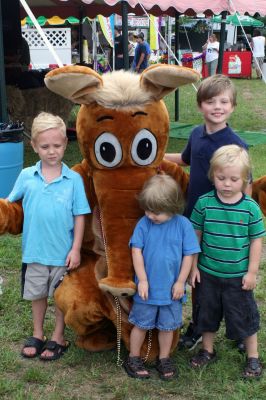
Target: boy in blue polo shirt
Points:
(216, 98)
(54, 203)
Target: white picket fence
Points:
(41, 57)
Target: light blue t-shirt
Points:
(49, 210)
(163, 247)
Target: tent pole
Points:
(3, 105)
(222, 41)
(177, 47)
(81, 35)
(124, 6)
(94, 45)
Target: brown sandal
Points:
(166, 369)
(202, 358)
(253, 369)
(134, 366)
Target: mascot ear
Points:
(75, 83)
(161, 79)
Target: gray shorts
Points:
(38, 281)
(260, 61)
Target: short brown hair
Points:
(213, 36)
(215, 85)
(161, 194)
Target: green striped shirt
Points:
(227, 230)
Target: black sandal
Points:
(203, 358)
(36, 343)
(253, 369)
(166, 369)
(134, 366)
(57, 349)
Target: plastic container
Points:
(11, 158)
(187, 60)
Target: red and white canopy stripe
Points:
(64, 8)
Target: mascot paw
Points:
(100, 341)
(117, 287)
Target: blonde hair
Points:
(45, 121)
(215, 85)
(161, 194)
(231, 156)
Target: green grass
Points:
(83, 375)
(249, 114)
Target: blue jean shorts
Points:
(149, 316)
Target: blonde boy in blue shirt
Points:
(54, 203)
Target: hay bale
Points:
(24, 105)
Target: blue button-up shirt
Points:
(49, 212)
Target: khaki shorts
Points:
(38, 281)
(259, 61)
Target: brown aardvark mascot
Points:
(122, 130)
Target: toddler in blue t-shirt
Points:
(54, 203)
(163, 244)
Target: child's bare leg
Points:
(38, 313)
(58, 334)
(207, 341)
(137, 338)
(206, 355)
(253, 368)
(251, 343)
(165, 342)
(164, 366)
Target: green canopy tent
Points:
(239, 20)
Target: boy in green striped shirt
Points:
(230, 229)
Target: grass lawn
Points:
(83, 375)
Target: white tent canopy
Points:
(155, 7)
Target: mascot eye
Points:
(108, 150)
(144, 148)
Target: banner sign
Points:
(134, 22)
(107, 26)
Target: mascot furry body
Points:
(122, 129)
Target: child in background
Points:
(229, 226)
(216, 98)
(54, 203)
(163, 244)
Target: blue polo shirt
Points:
(49, 211)
(197, 154)
(163, 248)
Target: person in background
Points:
(75, 39)
(230, 229)
(258, 48)
(119, 58)
(212, 54)
(142, 54)
(24, 58)
(131, 49)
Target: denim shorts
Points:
(38, 281)
(149, 316)
(224, 298)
